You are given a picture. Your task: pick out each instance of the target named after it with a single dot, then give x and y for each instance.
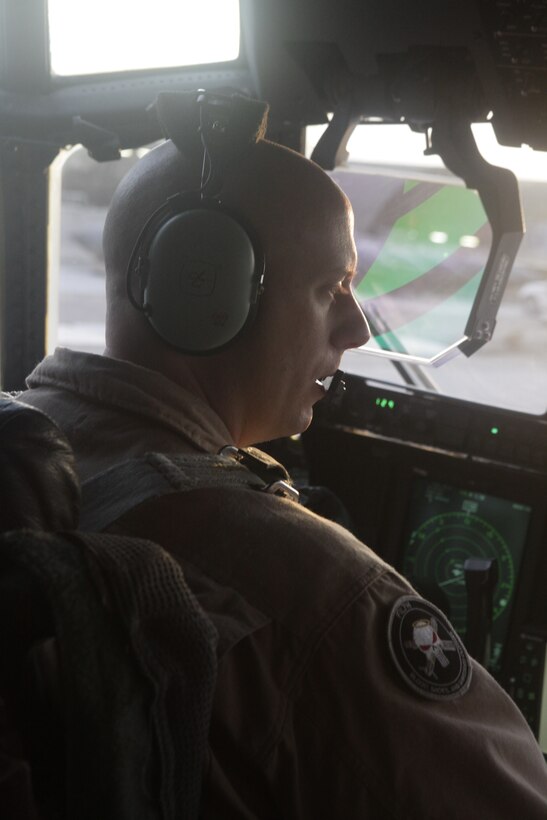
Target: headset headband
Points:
(193, 251)
(222, 126)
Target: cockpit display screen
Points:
(447, 525)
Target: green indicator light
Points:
(494, 430)
(383, 402)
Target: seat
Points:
(39, 486)
(107, 662)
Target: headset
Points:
(197, 269)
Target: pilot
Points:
(323, 706)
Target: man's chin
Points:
(303, 424)
(288, 426)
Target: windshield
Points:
(422, 250)
(423, 240)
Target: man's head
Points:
(264, 385)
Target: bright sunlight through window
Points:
(125, 35)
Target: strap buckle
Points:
(264, 471)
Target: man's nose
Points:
(353, 329)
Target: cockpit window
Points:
(423, 241)
(421, 261)
(76, 314)
(127, 35)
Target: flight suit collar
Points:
(128, 387)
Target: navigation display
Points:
(445, 526)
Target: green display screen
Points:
(447, 525)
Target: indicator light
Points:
(383, 402)
(494, 430)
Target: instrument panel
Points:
(430, 482)
(448, 525)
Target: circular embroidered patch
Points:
(427, 651)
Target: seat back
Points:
(107, 662)
(39, 487)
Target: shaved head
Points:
(268, 188)
(304, 224)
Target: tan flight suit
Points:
(312, 718)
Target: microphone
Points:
(335, 387)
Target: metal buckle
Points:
(260, 470)
(283, 489)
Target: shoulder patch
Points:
(427, 651)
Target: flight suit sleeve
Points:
(366, 743)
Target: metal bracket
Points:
(101, 144)
(330, 151)
(452, 138)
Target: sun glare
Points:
(397, 146)
(125, 35)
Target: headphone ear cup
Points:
(203, 279)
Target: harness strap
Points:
(110, 494)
